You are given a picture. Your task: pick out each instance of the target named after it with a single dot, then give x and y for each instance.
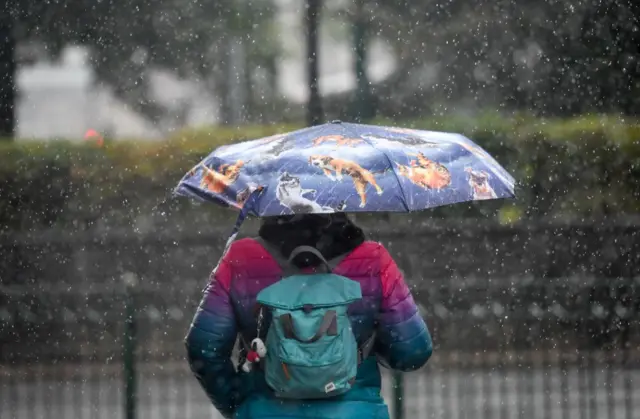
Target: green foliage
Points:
(566, 169)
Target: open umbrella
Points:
(345, 167)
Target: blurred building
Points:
(63, 100)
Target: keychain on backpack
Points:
(257, 351)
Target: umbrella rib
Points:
(405, 202)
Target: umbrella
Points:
(345, 167)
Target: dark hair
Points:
(332, 234)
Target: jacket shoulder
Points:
(247, 259)
(368, 250)
(363, 260)
(244, 250)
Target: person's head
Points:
(332, 234)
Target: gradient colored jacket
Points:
(402, 343)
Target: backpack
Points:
(311, 351)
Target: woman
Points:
(387, 308)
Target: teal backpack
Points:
(312, 352)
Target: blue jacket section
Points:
(403, 341)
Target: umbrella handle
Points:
(246, 209)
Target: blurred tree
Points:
(130, 37)
(593, 56)
(364, 105)
(226, 43)
(553, 57)
(117, 31)
(314, 105)
(7, 72)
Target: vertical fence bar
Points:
(593, 383)
(439, 390)
(129, 347)
(547, 346)
(398, 395)
(609, 381)
(627, 380)
(452, 372)
(582, 382)
(630, 366)
(459, 367)
(503, 383)
(546, 367)
(30, 396)
(485, 371)
(519, 390)
(564, 385)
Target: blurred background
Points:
(534, 303)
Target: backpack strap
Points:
(366, 348)
(334, 262)
(308, 249)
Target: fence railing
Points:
(105, 340)
(453, 385)
(548, 355)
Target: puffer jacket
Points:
(227, 309)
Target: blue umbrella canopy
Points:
(345, 167)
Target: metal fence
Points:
(506, 347)
(167, 390)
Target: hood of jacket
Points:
(332, 234)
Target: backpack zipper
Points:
(286, 371)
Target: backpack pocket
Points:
(324, 352)
(313, 370)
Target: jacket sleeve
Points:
(210, 343)
(403, 339)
